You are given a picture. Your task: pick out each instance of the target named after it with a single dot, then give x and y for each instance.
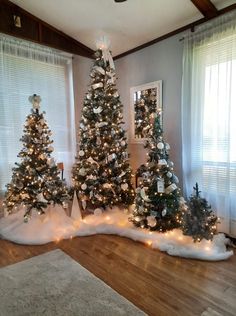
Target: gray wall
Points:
(162, 61)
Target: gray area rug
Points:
(54, 284)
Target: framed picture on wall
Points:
(145, 100)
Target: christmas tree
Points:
(35, 180)
(199, 221)
(144, 106)
(101, 173)
(158, 204)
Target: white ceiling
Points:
(128, 24)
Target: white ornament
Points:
(41, 198)
(171, 164)
(160, 145)
(160, 186)
(151, 221)
(75, 211)
(84, 186)
(164, 211)
(51, 162)
(107, 185)
(169, 174)
(97, 110)
(50, 148)
(91, 160)
(84, 204)
(170, 188)
(162, 162)
(167, 146)
(81, 153)
(123, 143)
(82, 171)
(144, 196)
(99, 69)
(97, 212)
(137, 218)
(101, 124)
(91, 177)
(124, 186)
(97, 85)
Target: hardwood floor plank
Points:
(154, 281)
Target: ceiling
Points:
(128, 24)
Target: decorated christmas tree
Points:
(158, 204)
(35, 180)
(101, 173)
(145, 107)
(199, 221)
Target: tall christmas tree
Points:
(158, 204)
(35, 180)
(199, 221)
(101, 173)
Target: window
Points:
(208, 116)
(25, 69)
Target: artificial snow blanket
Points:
(56, 225)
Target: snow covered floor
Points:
(56, 225)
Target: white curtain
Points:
(25, 69)
(209, 116)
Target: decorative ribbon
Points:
(103, 43)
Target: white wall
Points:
(162, 61)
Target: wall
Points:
(162, 61)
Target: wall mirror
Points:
(144, 100)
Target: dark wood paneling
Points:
(154, 281)
(38, 31)
(206, 7)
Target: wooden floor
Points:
(156, 282)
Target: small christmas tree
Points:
(199, 221)
(158, 204)
(144, 106)
(101, 173)
(35, 180)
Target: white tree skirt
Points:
(56, 225)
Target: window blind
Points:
(26, 69)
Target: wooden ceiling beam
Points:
(206, 7)
(31, 28)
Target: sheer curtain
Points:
(25, 69)
(209, 116)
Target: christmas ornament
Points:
(164, 211)
(124, 186)
(81, 153)
(170, 188)
(97, 212)
(151, 220)
(82, 171)
(97, 110)
(84, 186)
(160, 145)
